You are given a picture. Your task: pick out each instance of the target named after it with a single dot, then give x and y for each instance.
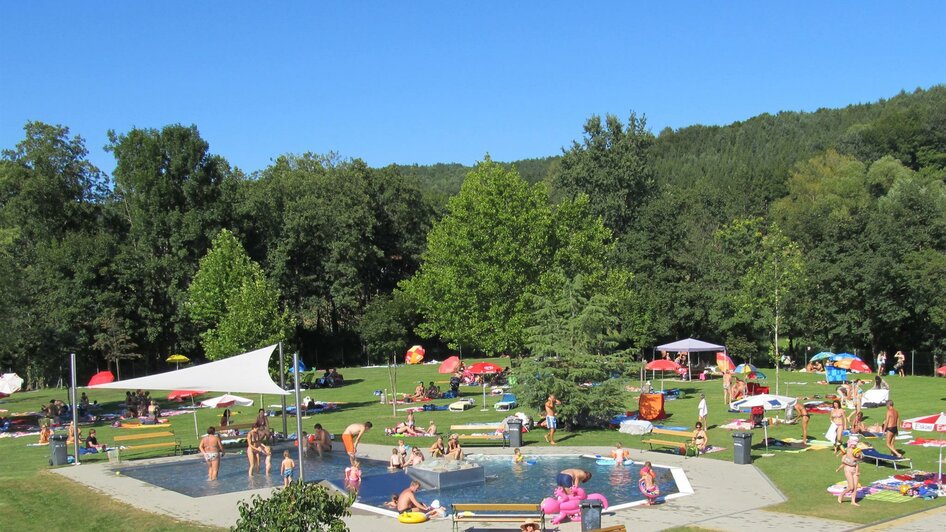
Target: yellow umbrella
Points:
(178, 360)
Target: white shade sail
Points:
(246, 373)
(690, 345)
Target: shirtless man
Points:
(569, 479)
(319, 440)
(803, 416)
(551, 422)
(407, 501)
(352, 436)
(727, 383)
(212, 450)
(891, 422)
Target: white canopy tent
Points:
(246, 373)
(690, 345)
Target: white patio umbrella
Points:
(226, 400)
(768, 402)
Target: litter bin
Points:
(57, 450)
(590, 514)
(742, 447)
(514, 432)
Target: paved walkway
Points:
(736, 504)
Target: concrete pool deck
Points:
(735, 504)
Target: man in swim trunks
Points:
(352, 436)
(551, 422)
(569, 479)
(804, 416)
(891, 422)
(407, 501)
(319, 440)
(212, 450)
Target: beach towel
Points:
(832, 434)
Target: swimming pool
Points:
(506, 481)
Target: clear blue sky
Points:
(443, 81)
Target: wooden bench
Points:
(616, 528)
(683, 445)
(492, 435)
(167, 440)
(496, 513)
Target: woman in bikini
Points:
(851, 472)
(700, 439)
(804, 416)
(838, 421)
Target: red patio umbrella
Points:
(102, 377)
(942, 371)
(180, 395)
(724, 363)
(450, 365)
(662, 364)
(481, 368)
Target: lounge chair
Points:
(507, 402)
(878, 457)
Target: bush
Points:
(300, 506)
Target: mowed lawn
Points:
(33, 498)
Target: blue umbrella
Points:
(821, 356)
(301, 367)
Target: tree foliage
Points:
(302, 507)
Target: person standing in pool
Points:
(570, 479)
(891, 424)
(551, 422)
(286, 467)
(648, 484)
(253, 448)
(352, 435)
(212, 449)
(320, 440)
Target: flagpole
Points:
(282, 384)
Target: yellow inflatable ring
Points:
(412, 517)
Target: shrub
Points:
(301, 506)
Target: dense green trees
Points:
(667, 236)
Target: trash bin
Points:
(590, 514)
(114, 456)
(742, 447)
(57, 450)
(514, 432)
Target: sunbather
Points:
(700, 438)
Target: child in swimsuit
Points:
(285, 469)
(353, 475)
(648, 484)
(517, 456)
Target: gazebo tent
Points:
(690, 345)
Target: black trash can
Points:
(57, 450)
(514, 432)
(742, 447)
(590, 514)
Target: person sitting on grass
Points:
(92, 443)
(419, 392)
(44, 433)
(433, 391)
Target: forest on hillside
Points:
(825, 229)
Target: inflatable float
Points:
(568, 506)
(412, 517)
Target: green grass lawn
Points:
(27, 490)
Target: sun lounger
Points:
(461, 405)
(878, 457)
(507, 402)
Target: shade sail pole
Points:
(299, 441)
(75, 409)
(282, 384)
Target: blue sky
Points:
(424, 82)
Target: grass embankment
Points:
(31, 498)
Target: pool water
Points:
(508, 482)
(189, 476)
